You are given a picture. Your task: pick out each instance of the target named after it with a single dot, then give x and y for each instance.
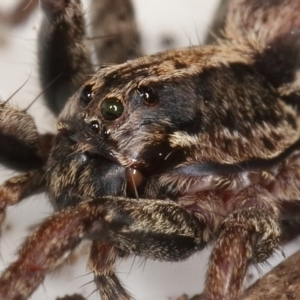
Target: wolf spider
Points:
(161, 155)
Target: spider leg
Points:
(249, 233)
(19, 187)
(102, 262)
(246, 236)
(152, 229)
(64, 55)
(162, 230)
(22, 147)
(114, 31)
(262, 216)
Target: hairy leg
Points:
(19, 187)
(248, 235)
(102, 262)
(135, 226)
(22, 147)
(64, 56)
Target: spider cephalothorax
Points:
(163, 154)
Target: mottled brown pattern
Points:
(212, 131)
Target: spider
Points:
(136, 273)
(162, 155)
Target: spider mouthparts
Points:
(134, 180)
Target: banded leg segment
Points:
(102, 262)
(133, 226)
(246, 236)
(19, 187)
(43, 251)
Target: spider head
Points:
(194, 105)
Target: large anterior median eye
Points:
(112, 108)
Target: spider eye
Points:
(112, 108)
(148, 96)
(95, 127)
(86, 95)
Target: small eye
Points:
(86, 95)
(112, 108)
(95, 127)
(148, 96)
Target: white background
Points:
(183, 20)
